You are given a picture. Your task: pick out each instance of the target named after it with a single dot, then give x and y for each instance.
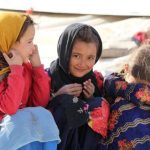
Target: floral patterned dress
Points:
(129, 122)
(81, 122)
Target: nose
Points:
(82, 63)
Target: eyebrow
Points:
(76, 53)
(81, 54)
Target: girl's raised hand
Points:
(13, 58)
(71, 89)
(88, 88)
(35, 57)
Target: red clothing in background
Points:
(24, 86)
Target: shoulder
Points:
(138, 93)
(52, 70)
(98, 75)
(113, 79)
(99, 79)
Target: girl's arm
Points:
(116, 86)
(40, 91)
(11, 90)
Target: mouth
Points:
(80, 69)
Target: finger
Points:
(74, 90)
(88, 87)
(36, 47)
(75, 86)
(88, 90)
(86, 93)
(77, 89)
(6, 57)
(76, 93)
(67, 89)
(87, 82)
(13, 53)
(10, 55)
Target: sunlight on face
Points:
(25, 45)
(82, 58)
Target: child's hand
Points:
(13, 58)
(71, 89)
(35, 58)
(88, 88)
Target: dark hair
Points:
(140, 67)
(26, 24)
(86, 34)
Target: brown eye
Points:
(92, 58)
(76, 56)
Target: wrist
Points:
(36, 64)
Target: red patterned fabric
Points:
(99, 119)
(99, 79)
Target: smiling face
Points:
(25, 45)
(83, 58)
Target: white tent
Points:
(98, 7)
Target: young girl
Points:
(129, 122)
(23, 83)
(77, 104)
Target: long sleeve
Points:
(11, 90)
(116, 86)
(98, 109)
(40, 91)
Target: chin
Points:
(78, 75)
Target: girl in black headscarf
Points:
(77, 104)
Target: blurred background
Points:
(117, 21)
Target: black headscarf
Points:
(59, 69)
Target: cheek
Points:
(31, 49)
(90, 67)
(72, 62)
(23, 51)
(19, 47)
(28, 49)
(91, 64)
